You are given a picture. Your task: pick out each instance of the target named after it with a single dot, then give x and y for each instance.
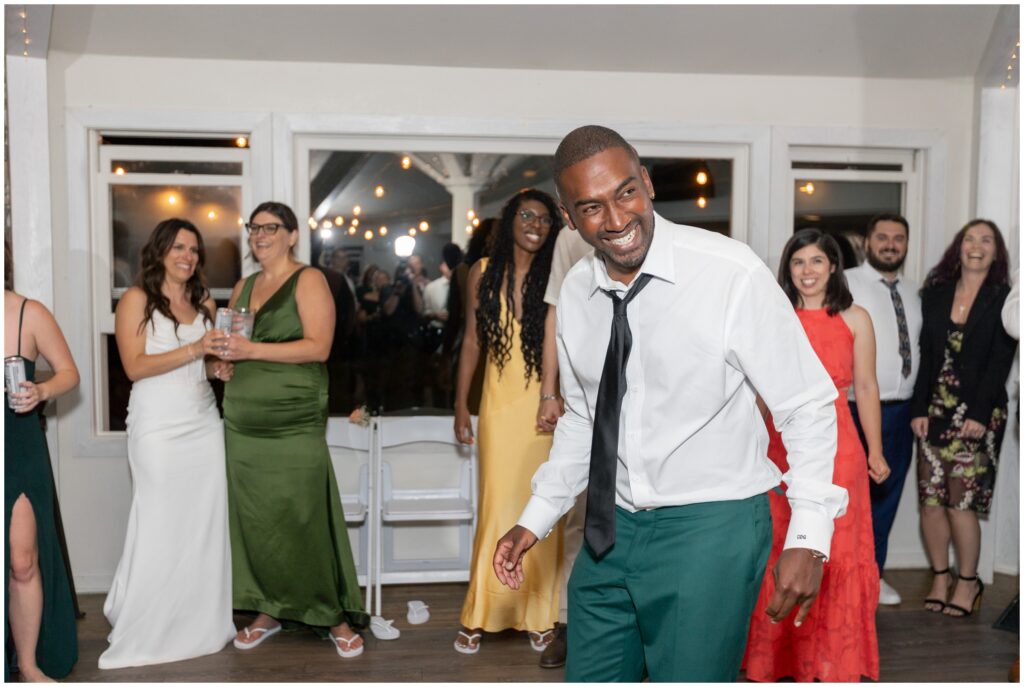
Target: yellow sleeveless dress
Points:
(510, 449)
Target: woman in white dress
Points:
(171, 595)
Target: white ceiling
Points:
(874, 41)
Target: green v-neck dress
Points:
(290, 552)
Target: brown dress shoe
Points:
(554, 655)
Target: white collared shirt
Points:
(710, 328)
(870, 293)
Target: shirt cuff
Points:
(539, 517)
(809, 528)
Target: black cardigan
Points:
(985, 359)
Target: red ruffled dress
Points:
(837, 642)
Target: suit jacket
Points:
(344, 311)
(985, 359)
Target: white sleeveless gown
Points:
(171, 595)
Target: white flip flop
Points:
(384, 629)
(541, 642)
(263, 632)
(348, 651)
(469, 648)
(418, 613)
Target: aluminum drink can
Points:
(14, 375)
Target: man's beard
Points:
(882, 266)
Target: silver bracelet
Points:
(549, 397)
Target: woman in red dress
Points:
(837, 640)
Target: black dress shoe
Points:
(554, 655)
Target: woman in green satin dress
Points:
(291, 558)
(39, 608)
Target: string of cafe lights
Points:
(327, 225)
(23, 14)
(1009, 78)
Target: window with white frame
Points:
(839, 190)
(138, 181)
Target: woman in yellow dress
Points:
(505, 314)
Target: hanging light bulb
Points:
(470, 214)
(326, 224)
(406, 162)
(475, 222)
(379, 191)
(339, 220)
(211, 214)
(119, 171)
(355, 221)
(383, 231)
(352, 230)
(702, 202)
(357, 210)
(702, 177)
(412, 231)
(424, 225)
(326, 233)
(367, 234)
(312, 222)
(241, 141)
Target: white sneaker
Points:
(887, 596)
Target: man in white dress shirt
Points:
(893, 302)
(673, 448)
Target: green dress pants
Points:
(672, 598)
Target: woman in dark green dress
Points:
(39, 610)
(290, 552)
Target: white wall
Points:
(95, 490)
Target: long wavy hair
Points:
(494, 331)
(837, 293)
(151, 276)
(947, 271)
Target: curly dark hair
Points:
(948, 269)
(837, 293)
(151, 276)
(495, 332)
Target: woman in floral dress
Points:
(959, 406)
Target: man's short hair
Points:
(451, 253)
(587, 141)
(886, 217)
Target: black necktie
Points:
(599, 530)
(903, 334)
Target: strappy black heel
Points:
(962, 612)
(941, 603)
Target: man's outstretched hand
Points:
(508, 556)
(797, 579)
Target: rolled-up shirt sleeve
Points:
(558, 482)
(767, 343)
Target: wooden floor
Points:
(915, 646)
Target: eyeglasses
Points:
(268, 229)
(530, 218)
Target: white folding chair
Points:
(351, 444)
(402, 501)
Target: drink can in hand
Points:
(14, 375)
